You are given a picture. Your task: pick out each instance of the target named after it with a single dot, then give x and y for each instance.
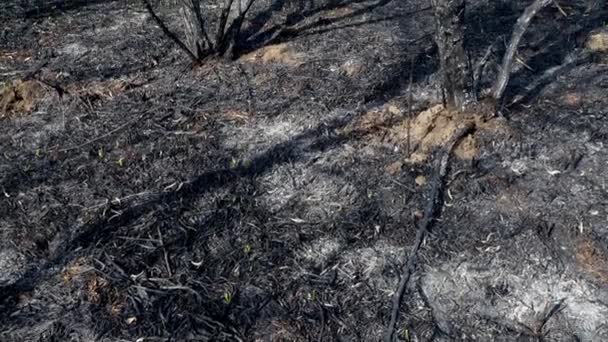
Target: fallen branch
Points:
(433, 205)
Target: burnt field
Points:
(277, 196)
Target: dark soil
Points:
(273, 197)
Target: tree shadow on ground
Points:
(100, 231)
(254, 38)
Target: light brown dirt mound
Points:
(428, 130)
(280, 54)
(20, 97)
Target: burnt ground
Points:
(273, 198)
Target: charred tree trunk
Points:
(457, 84)
(198, 45)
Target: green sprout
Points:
(247, 249)
(312, 296)
(227, 297)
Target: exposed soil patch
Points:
(593, 259)
(598, 40)
(19, 98)
(425, 132)
(280, 53)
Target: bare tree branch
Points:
(235, 28)
(196, 35)
(168, 32)
(518, 32)
(221, 27)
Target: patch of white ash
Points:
(371, 265)
(465, 293)
(319, 252)
(293, 133)
(252, 139)
(305, 191)
(12, 266)
(73, 50)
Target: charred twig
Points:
(432, 207)
(410, 100)
(31, 74)
(221, 27)
(118, 129)
(518, 32)
(323, 319)
(550, 311)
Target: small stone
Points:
(420, 180)
(351, 67)
(598, 40)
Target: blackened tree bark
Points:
(457, 81)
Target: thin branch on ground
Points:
(410, 101)
(116, 130)
(433, 205)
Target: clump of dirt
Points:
(572, 99)
(426, 131)
(592, 259)
(20, 97)
(374, 121)
(280, 54)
